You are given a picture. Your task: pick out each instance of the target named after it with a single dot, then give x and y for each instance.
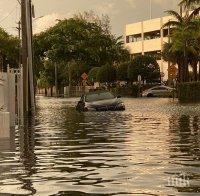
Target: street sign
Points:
(84, 76)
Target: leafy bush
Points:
(122, 71)
(189, 92)
(146, 66)
(106, 73)
(130, 91)
(93, 74)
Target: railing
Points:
(73, 91)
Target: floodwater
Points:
(152, 148)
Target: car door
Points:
(159, 91)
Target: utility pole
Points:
(27, 58)
(1, 62)
(19, 29)
(169, 64)
(19, 35)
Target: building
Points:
(148, 37)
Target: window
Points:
(166, 32)
(134, 38)
(152, 35)
(127, 39)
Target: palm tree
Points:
(196, 47)
(189, 3)
(183, 27)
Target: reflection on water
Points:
(152, 148)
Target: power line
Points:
(8, 14)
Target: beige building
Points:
(148, 37)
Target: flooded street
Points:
(152, 148)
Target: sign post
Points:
(139, 81)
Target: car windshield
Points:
(98, 96)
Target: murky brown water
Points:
(153, 148)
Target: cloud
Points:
(132, 3)
(47, 21)
(157, 1)
(164, 3)
(106, 8)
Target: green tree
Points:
(196, 49)
(92, 76)
(106, 74)
(88, 43)
(146, 66)
(122, 71)
(189, 3)
(9, 50)
(183, 33)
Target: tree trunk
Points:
(179, 74)
(186, 73)
(185, 67)
(51, 92)
(195, 74)
(199, 70)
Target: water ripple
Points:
(152, 148)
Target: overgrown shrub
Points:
(189, 92)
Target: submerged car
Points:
(159, 91)
(100, 101)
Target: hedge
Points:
(189, 92)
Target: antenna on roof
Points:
(150, 9)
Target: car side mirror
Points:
(119, 96)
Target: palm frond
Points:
(189, 3)
(175, 15)
(193, 14)
(171, 24)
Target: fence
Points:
(10, 99)
(73, 91)
(76, 91)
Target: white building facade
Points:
(148, 37)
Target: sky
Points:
(121, 12)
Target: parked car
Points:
(159, 91)
(100, 100)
